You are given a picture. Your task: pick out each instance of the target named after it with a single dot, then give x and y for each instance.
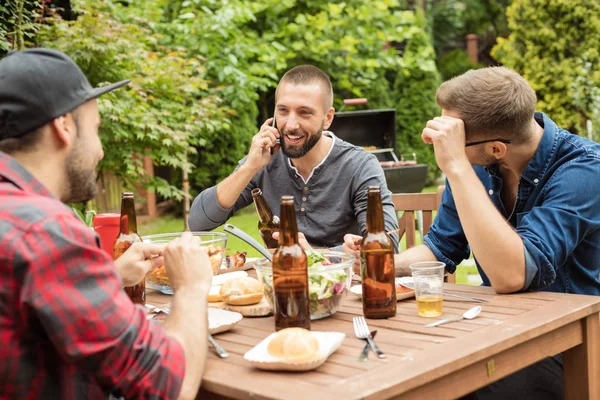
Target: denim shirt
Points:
(556, 214)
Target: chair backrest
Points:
(408, 204)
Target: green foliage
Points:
(452, 20)
(413, 95)
(349, 40)
(238, 62)
(204, 73)
(166, 110)
(87, 218)
(555, 45)
(455, 63)
(17, 23)
(416, 105)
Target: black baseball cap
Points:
(39, 85)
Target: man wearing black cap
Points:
(67, 328)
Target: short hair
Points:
(29, 141)
(22, 143)
(493, 101)
(306, 74)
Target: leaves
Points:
(554, 45)
(204, 73)
(162, 112)
(87, 218)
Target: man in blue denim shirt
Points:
(505, 162)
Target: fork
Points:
(220, 350)
(364, 355)
(361, 330)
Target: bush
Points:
(166, 110)
(555, 45)
(204, 73)
(455, 63)
(350, 41)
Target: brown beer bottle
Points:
(290, 274)
(127, 236)
(377, 262)
(267, 222)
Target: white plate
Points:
(222, 320)
(220, 279)
(259, 355)
(357, 290)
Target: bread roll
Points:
(241, 291)
(294, 345)
(214, 294)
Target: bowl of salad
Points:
(214, 242)
(329, 277)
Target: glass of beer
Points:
(428, 277)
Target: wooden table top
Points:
(511, 332)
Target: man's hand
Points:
(137, 261)
(187, 264)
(301, 241)
(260, 149)
(351, 246)
(190, 277)
(447, 134)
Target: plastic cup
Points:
(428, 277)
(107, 227)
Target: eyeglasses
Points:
(489, 140)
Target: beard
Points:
(300, 151)
(81, 180)
(482, 159)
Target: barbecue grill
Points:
(375, 130)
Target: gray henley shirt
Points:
(330, 204)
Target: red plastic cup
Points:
(107, 227)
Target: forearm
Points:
(188, 324)
(205, 213)
(230, 189)
(416, 254)
(498, 248)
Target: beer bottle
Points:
(377, 262)
(127, 236)
(267, 222)
(290, 274)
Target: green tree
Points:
(168, 111)
(204, 72)
(452, 20)
(555, 45)
(374, 50)
(18, 23)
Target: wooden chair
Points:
(408, 204)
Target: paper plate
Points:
(220, 279)
(218, 320)
(222, 320)
(259, 355)
(401, 294)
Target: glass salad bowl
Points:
(214, 242)
(329, 277)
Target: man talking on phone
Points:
(327, 176)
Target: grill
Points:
(375, 130)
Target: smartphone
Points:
(278, 141)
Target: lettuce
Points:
(326, 289)
(314, 257)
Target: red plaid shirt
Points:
(67, 329)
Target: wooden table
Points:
(444, 362)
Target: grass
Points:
(247, 220)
